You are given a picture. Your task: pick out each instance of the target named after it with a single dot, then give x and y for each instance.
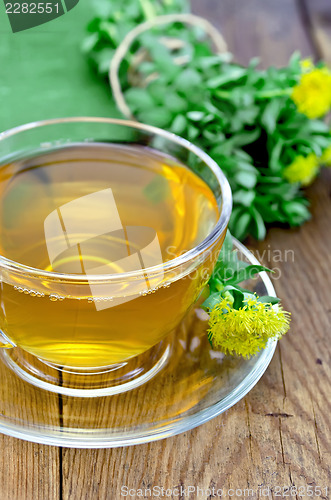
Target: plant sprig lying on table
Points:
(261, 126)
(240, 322)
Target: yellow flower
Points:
(303, 169)
(246, 331)
(326, 157)
(312, 95)
(307, 64)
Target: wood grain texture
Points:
(271, 30)
(279, 434)
(28, 471)
(316, 15)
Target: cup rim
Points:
(220, 226)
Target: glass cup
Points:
(121, 340)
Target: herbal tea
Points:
(94, 210)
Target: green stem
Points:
(148, 9)
(274, 93)
(224, 94)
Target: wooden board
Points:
(278, 435)
(28, 471)
(271, 30)
(317, 14)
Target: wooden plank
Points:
(267, 29)
(319, 24)
(277, 436)
(28, 471)
(303, 415)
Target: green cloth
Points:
(45, 75)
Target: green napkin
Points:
(44, 75)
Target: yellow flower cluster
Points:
(303, 169)
(246, 331)
(312, 95)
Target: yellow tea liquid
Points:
(96, 210)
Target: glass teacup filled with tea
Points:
(109, 231)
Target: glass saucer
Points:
(195, 385)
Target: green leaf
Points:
(274, 160)
(244, 197)
(227, 244)
(211, 301)
(103, 59)
(195, 116)
(297, 212)
(236, 212)
(294, 63)
(212, 136)
(90, 42)
(139, 99)
(270, 209)
(238, 296)
(178, 125)
(176, 103)
(244, 165)
(317, 127)
(245, 291)
(223, 149)
(240, 153)
(246, 274)
(270, 114)
(268, 299)
(215, 284)
(158, 91)
(246, 179)
(209, 61)
(282, 189)
(240, 227)
(248, 115)
(227, 263)
(158, 116)
(246, 137)
(260, 229)
(231, 74)
(187, 79)
(147, 67)
(226, 269)
(255, 61)
(192, 133)
(321, 142)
